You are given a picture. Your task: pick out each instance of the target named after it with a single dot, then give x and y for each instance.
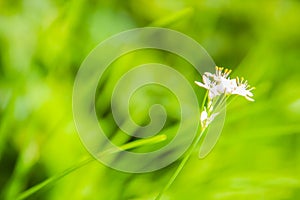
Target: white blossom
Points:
(243, 89)
(209, 85)
(220, 83)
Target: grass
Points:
(42, 45)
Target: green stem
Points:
(204, 100)
(181, 165)
(131, 145)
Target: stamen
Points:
(242, 79)
(237, 80)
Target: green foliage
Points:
(42, 44)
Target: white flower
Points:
(243, 89)
(209, 85)
(220, 83)
(224, 85)
(217, 83)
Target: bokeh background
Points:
(42, 44)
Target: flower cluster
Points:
(221, 84)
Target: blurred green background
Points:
(42, 44)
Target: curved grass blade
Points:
(53, 179)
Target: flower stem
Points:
(181, 165)
(204, 100)
(185, 159)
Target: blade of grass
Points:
(53, 179)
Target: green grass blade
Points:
(53, 179)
